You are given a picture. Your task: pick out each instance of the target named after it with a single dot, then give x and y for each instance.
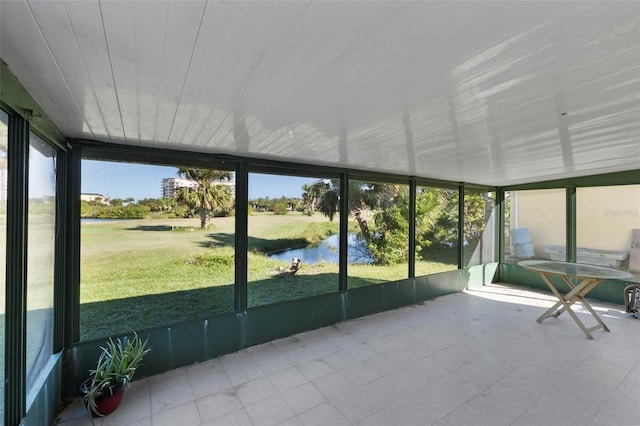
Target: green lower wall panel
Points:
(398, 294)
(480, 275)
(198, 340)
(610, 291)
(364, 301)
(432, 286)
(44, 407)
(271, 322)
(224, 334)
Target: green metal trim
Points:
(43, 408)
(13, 94)
(16, 270)
(72, 305)
(500, 213)
(59, 290)
(472, 187)
(368, 176)
(412, 228)
(628, 177)
(97, 150)
(571, 224)
(144, 155)
(436, 183)
(242, 235)
(460, 226)
(344, 232)
(312, 172)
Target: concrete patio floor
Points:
(471, 358)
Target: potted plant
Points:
(117, 363)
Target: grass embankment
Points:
(144, 273)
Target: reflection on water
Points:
(327, 251)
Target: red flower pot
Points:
(107, 403)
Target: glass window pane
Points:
(4, 140)
(40, 256)
(535, 225)
(157, 246)
(608, 226)
(379, 233)
(436, 230)
(479, 227)
(293, 237)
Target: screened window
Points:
(436, 230)
(378, 248)
(293, 227)
(608, 226)
(479, 227)
(157, 245)
(40, 256)
(535, 225)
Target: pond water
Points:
(327, 251)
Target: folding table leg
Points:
(566, 306)
(578, 292)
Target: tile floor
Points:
(472, 358)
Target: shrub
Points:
(280, 208)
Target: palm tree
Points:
(363, 198)
(312, 195)
(205, 196)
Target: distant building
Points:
(170, 185)
(93, 197)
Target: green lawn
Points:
(145, 273)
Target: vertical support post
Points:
(72, 305)
(344, 231)
(16, 271)
(499, 235)
(71, 295)
(501, 211)
(571, 224)
(59, 279)
(242, 235)
(460, 226)
(412, 228)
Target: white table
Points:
(587, 277)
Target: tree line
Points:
(380, 211)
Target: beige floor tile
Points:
(255, 390)
(243, 372)
(235, 418)
(315, 369)
(217, 405)
(303, 398)
(271, 411)
(170, 396)
(323, 415)
(168, 379)
(333, 385)
(293, 421)
(133, 408)
(183, 415)
(210, 384)
(287, 379)
(206, 368)
(477, 357)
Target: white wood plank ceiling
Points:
(485, 92)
